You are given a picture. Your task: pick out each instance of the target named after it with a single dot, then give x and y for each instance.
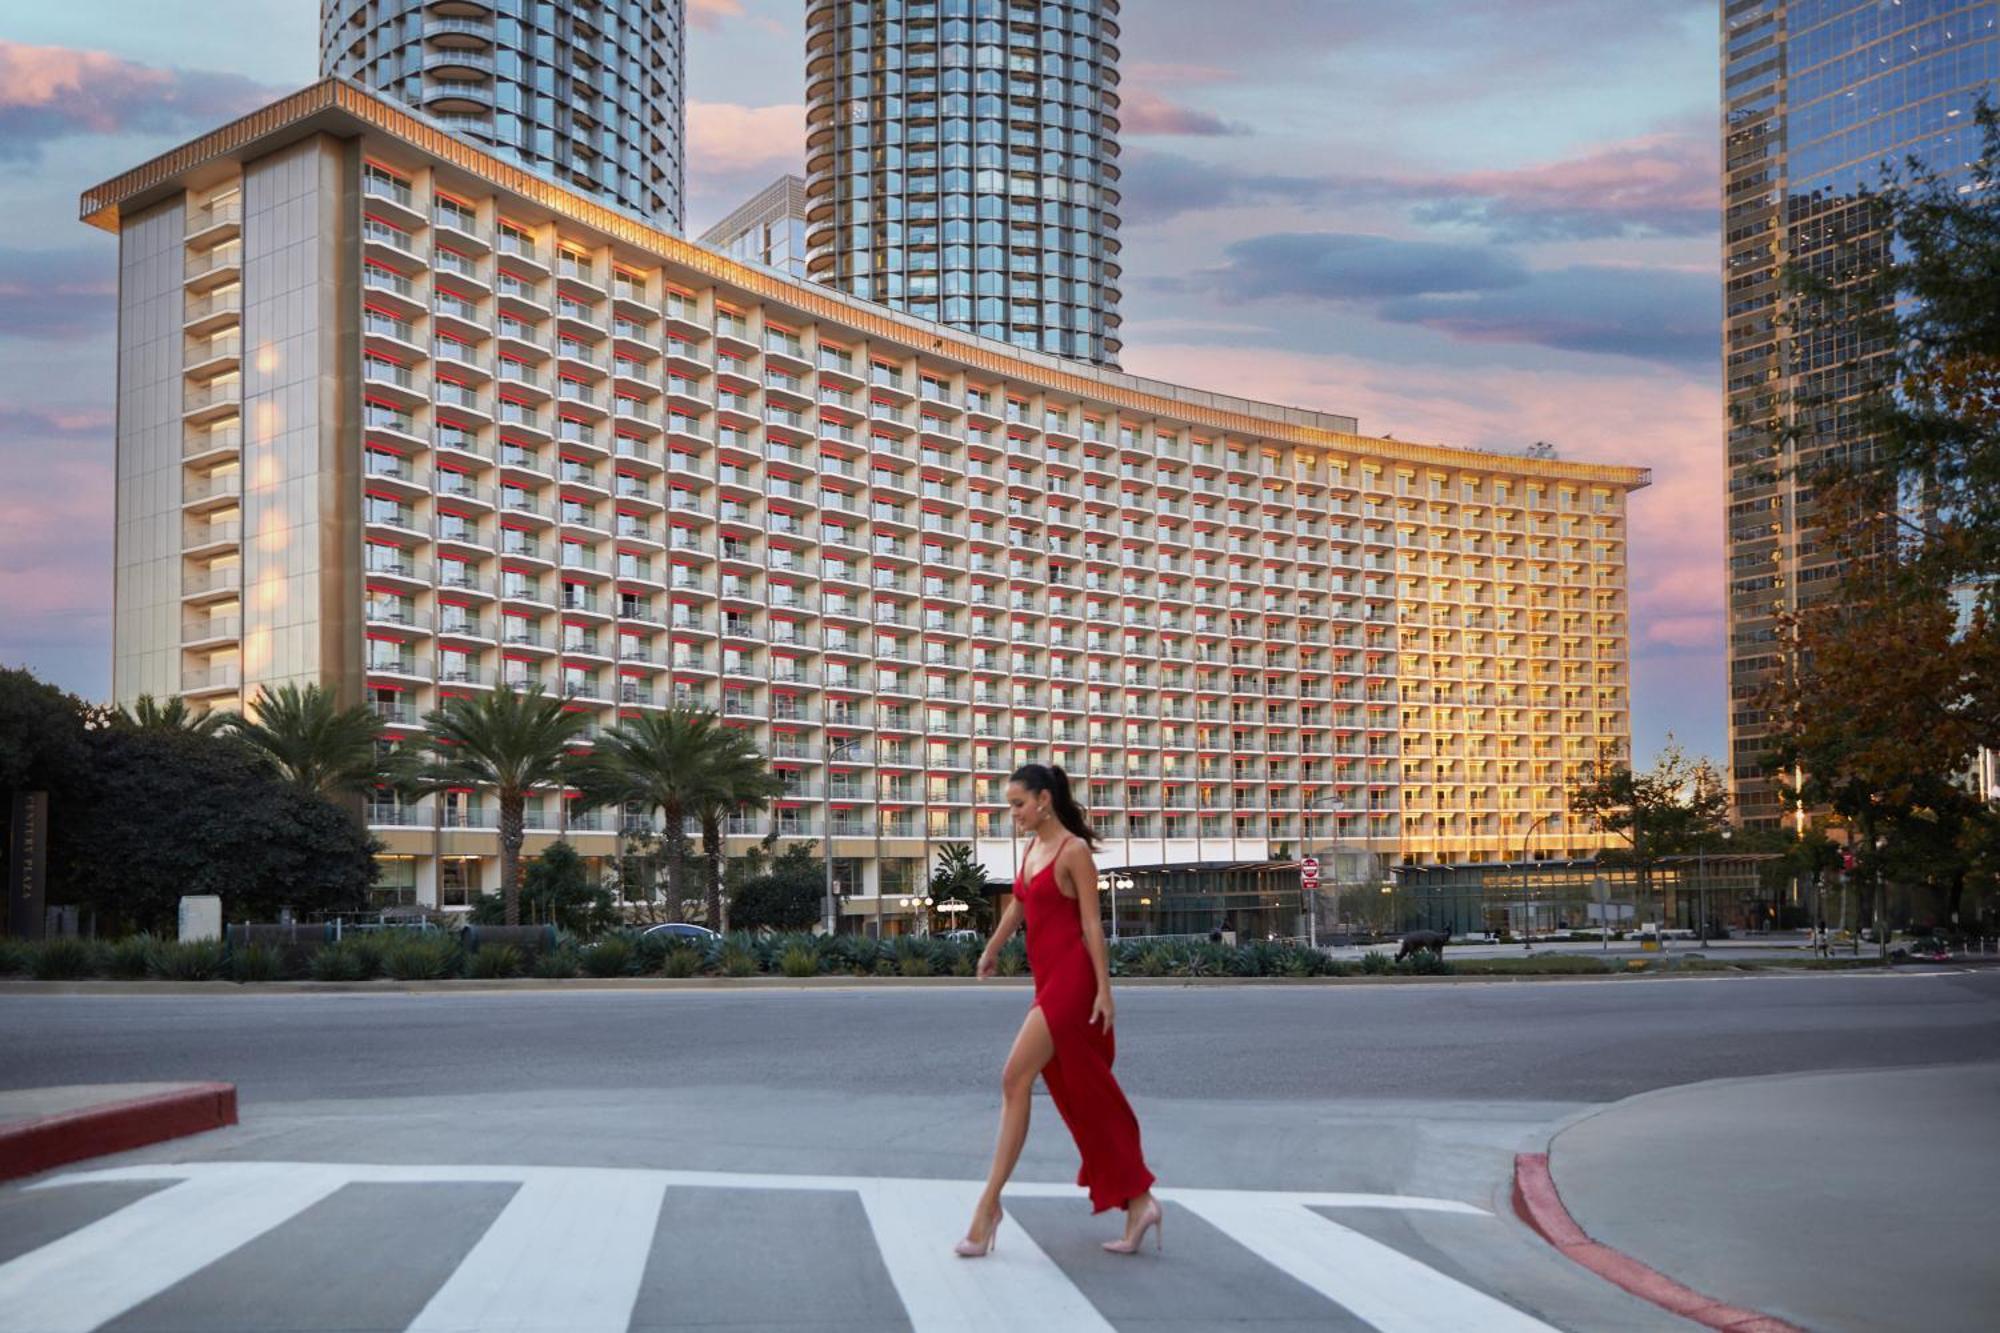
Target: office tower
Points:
(590, 93)
(768, 229)
(1817, 94)
(961, 164)
(402, 419)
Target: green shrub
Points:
(493, 961)
(256, 962)
(347, 960)
(1424, 963)
(852, 954)
(737, 959)
(612, 956)
(14, 956)
(185, 960)
(681, 960)
(65, 958)
(420, 957)
(912, 959)
(1375, 963)
(128, 959)
(559, 963)
(799, 961)
(885, 966)
(1012, 960)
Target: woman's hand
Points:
(987, 964)
(1103, 1006)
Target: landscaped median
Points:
(539, 954)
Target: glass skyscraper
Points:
(1817, 94)
(586, 92)
(961, 163)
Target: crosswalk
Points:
(581, 1249)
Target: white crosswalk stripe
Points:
(93, 1275)
(570, 1248)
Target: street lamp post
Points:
(1338, 805)
(1110, 882)
(1527, 889)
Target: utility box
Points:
(201, 917)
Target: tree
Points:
(788, 896)
(310, 741)
(511, 741)
(557, 890)
(1673, 809)
(738, 781)
(148, 713)
(958, 874)
(662, 761)
(169, 812)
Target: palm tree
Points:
(147, 713)
(310, 740)
(662, 761)
(511, 741)
(738, 780)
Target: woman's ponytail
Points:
(1062, 802)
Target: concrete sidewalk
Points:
(1837, 1201)
(43, 1128)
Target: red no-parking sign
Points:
(1309, 873)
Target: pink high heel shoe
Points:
(971, 1249)
(1151, 1221)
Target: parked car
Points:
(680, 930)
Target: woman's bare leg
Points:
(1033, 1048)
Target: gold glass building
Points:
(401, 418)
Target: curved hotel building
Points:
(402, 418)
(588, 93)
(962, 164)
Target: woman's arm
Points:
(1003, 930)
(1081, 869)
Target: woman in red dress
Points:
(1066, 1038)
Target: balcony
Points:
(212, 680)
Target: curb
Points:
(1538, 1204)
(93, 1131)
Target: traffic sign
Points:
(1309, 872)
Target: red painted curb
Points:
(1538, 1204)
(93, 1131)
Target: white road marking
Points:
(1377, 1283)
(1016, 1286)
(100, 1271)
(569, 1250)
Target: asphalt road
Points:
(1332, 1157)
(1545, 1041)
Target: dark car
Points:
(680, 930)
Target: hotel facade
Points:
(400, 418)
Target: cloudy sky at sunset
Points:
(1481, 222)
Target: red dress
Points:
(1079, 1076)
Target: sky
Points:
(1475, 222)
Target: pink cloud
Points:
(54, 92)
(1146, 112)
(725, 137)
(1642, 181)
(709, 14)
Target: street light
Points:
(1110, 882)
(1527, 890)
(1338, 804)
